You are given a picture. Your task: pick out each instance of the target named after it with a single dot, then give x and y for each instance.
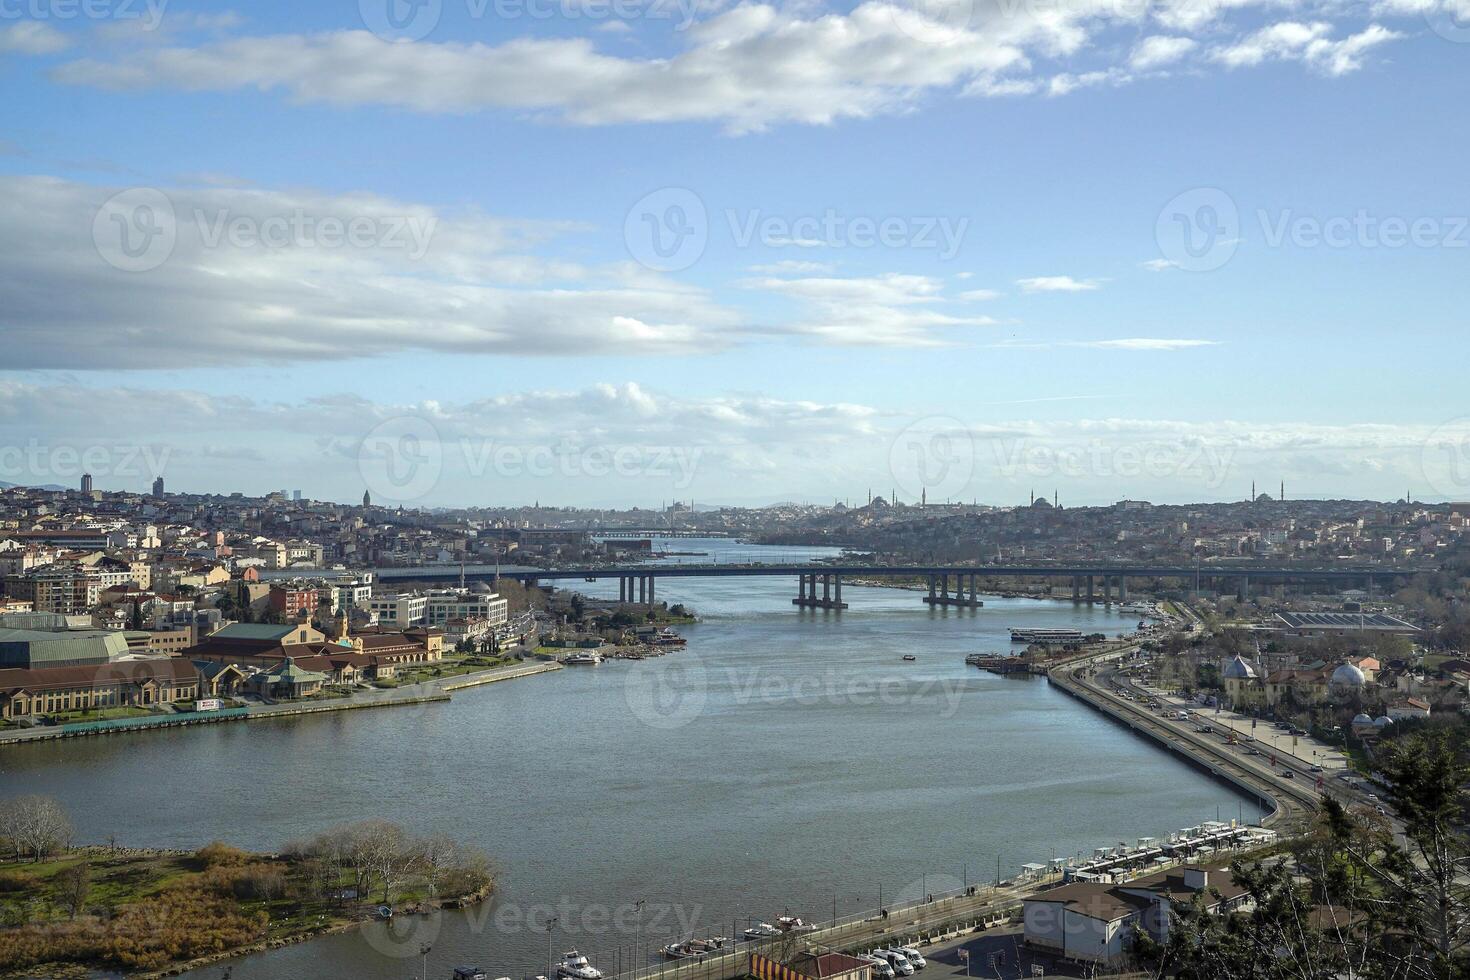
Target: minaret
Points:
(1283, 491)
(367, 499)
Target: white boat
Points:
(694, 947)
(791, 923)
(574, 966)
(585, 658)
(761, 930)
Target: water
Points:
(785, 760)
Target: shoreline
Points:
(440, 691)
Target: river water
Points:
(786, 760)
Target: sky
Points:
(624, 252)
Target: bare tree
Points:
(75, 885)
(35, 825)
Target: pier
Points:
(831, 597)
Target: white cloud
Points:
(480, 285)
(746, 67)
(792, 267)
(889, 310)
(1159, 265)
(980, 295)
(1058, 284)
(32, 37)
(1305, 42)
(1159, 49)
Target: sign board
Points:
(207, 704)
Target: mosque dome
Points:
(1238, 669)
(1347, 677)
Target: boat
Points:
(759, 931)
(694, 947)
(910, 656)
(975, 659)
(574, 966)
(585, 658)
(792, 923)
(469, 973)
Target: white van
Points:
(897, 960)
(881, 967)
(912, 955)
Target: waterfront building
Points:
(1095, 922)
(26, 693)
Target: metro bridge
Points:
(636, 582)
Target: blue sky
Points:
(1032, 314)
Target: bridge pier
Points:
(1089, 590)
(1076, 589)
(1243, 588)
(1122, 588)
(831, 598)
(1107, 590)
(958, 598)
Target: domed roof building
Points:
(1383, 722)
(1362, 718)
(1347, 679)
(1237, 668)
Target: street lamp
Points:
(424, 952)
(550, 963)
(638, 937)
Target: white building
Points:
(402, 610)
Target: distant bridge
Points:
(636, 582)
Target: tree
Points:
(74, 885)
(1356, 900)
(34, 825)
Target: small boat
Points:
(910, 657)
(469, 973)
(759, 931)
(574, 966)
(792, 923)
(694, 947)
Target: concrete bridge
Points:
(636, 583)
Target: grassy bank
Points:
(147, 911)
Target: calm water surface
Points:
(785, 760)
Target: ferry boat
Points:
(574, 966)
(584, 658)
(1046, 636)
